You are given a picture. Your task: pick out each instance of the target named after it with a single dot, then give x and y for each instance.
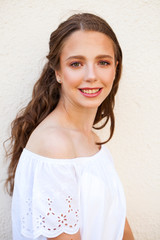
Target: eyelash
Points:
(105, 63)
(78, 64)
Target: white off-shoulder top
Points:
(52, 196)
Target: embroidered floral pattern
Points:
(28, 213)
(52, 220)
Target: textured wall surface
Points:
(25, 27)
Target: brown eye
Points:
(76, 64)
(104, 63)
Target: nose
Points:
(90, 75)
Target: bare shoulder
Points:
(52, 142)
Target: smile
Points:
(91, 92)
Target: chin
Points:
(91, 105)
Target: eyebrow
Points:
(82, 57)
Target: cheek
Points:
(108, 77)
(72, 78)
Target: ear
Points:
(58, 76)
(116, 65)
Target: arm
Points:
(65, 236)
(128, 235)
(54, 143)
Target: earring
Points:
(59, 80)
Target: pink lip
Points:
(91, 94)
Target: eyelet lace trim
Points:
(50, 221)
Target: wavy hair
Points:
(46, 92)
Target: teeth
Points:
(89, 91)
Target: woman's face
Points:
(87, 69)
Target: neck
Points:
(80, 119)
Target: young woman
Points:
(63, 180)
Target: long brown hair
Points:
(46, 92)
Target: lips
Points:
(90, 92)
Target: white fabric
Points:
(52, 196)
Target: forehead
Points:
(87, 43)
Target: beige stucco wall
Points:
(25, 27)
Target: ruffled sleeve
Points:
(47, 193)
